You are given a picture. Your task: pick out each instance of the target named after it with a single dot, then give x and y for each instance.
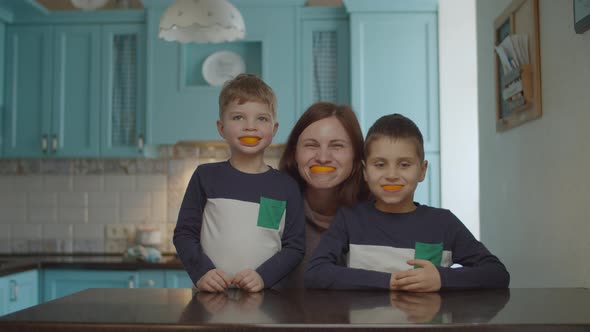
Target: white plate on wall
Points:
(222, 66)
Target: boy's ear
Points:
(424, 167)
(220, 128)
(275, 129)
(364, 170)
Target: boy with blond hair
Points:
(241, 222)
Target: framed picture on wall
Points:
(581, 15)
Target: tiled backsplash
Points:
(95, 205)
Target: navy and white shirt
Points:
(364, 246)
(231, 220)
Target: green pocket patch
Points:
(270, 213)
(429, 251)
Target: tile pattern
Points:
(74, 205)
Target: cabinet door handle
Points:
(13, 291)
(140, 143)
(131, 282)
(44, 143)
(54, 143)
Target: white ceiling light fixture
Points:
(202, 21)
(88, 4)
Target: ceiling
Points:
(112, 4)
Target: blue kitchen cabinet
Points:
(324, 56)
(58, 283)
(178, 279)
(151, 279)
(52, 106)
(19, 291)
(394, 69)
(123, 90)
(74, 91)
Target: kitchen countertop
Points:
(527, 309)
(15, 264)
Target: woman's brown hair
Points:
(354, 188)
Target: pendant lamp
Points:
(202, 21)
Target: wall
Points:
(533, 188)
(2, 111)
(459, 158)
(95, 205)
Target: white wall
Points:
(458, 111)
(535, 198)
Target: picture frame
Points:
(581, 15)
(521, 17)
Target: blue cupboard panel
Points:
(28, 100)
(322, 20)
(59, 283)
(178, 279)
(19, 291)
(395, 69)
(151, 279)
(76, 90)
(110, 145)
(27, 290)
(3, 296)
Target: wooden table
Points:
(556, 309)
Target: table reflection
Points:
(301, 306)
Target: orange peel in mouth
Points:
(322, 169)
(249, 139)
(392, 187)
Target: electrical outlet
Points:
(115, 245)
(119, 232)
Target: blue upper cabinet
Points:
(61, 78)
(394, 69)
(29, 75)
(52, 106)
(324, 55)
(123, 90)
(182, 106)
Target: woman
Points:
(324, 154)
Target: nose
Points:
(392, 173)
(323, 156)
(250, 125)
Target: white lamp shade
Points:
(202, 21)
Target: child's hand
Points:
(426, 279)
(418, 307)
(214, 281)
(248, 280)
(212, 302)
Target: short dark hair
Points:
(395, 126)
(247, 88)
(354, 188)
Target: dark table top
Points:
(298, 309)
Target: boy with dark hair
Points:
(392, 242)
(241, 222)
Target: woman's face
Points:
(324, 154)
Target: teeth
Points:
(322, 169)
(249, 140)
(392, 187)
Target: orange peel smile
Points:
(322, 169)
(249, 140)
(392, 187)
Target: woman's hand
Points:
(424, 279)
(214, 281)
(249, 280)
